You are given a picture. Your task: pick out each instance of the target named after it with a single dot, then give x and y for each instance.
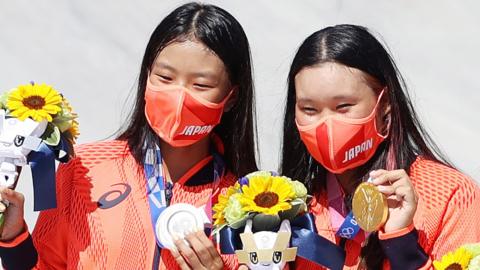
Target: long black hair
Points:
(354, 46)
(223, 35)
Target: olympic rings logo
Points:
(347, 232)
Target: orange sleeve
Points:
(18, 239)
(460, 223)
(401, 232)
(51, 232)
(447, 215)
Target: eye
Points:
(18, 141)
(308, 110)
(165, 78)
(201, 85)
(277, 256)
(343, 107)
(254, 257)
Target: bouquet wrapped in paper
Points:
(37, 127)
(262, 204)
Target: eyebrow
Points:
(165, 66)
(337, 97)
(207, 74)
(306, 100)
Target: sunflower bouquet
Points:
(264, 197)
(42, 103)
(466, 257)
(37, 127)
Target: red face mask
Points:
(179, 117)
(339, 143)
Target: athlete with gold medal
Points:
(370, 205)
(382, 192)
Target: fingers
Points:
(13, 223)
(407, 194)
(242, 267)
(187, 253)
(13, 197)
(396, 183)
(180, 260)
(382, 177)
(201, 254)
(3, 207)
(198, 242)
(217, 261)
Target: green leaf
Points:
(2, 219)
(297, 208)
(65, 117)
(63, 121)
(3, 100)
(236, 225)
(239, 223)
(52, 135)
(263, 222)
(297, 201)
(62, 125)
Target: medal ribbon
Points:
(157, 185)
(349, 228)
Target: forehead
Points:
(188, 55)
(331, 80)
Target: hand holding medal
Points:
(181, 230)
(388, 201)
(180, 227)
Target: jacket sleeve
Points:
(403, 250)
(459, 225)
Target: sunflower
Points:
(40, 102)
(267, 194)
(219, 207)
(457, 260)
(74, 130)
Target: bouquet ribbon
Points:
(310, 245)
(42, 163)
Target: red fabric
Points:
(80, 235)
(182, 118)
(446, 217)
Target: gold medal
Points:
(369, 207)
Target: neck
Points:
(178, 160)
(348, 181)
